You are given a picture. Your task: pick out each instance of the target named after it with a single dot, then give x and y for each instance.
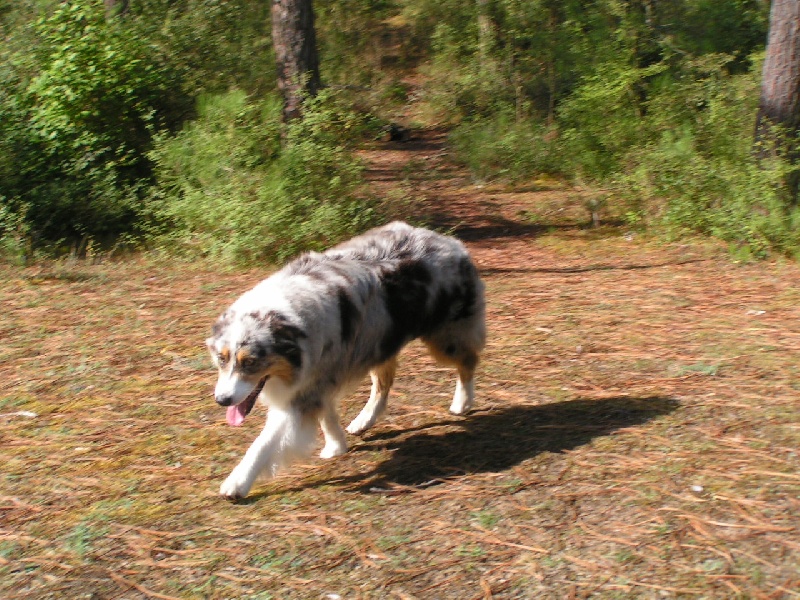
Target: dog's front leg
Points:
(464, 397)
(264, 453)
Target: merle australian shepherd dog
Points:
(307, 335)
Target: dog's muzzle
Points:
(237, 413)
(224, 400)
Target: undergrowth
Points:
(681, 157)
(229, 188)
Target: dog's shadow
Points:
(487, 440)
(496, 439)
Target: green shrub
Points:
(227, 188)
(76, 120)
(739, 199)
(213, 45)
(604, 118)
(505, 148)
(698, 172)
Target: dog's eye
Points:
(222, 359)
(247, 363)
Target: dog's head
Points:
(250, 349)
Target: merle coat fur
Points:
(310, 333)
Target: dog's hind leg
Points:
(464, 397)
(457, 353)
(382, 379)
(335, 439)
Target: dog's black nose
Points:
(224, 400)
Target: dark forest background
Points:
(159, 123)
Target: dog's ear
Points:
(221, 324)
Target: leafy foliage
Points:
(651, 100)
(702, 176)
(226, 187)
(628, 96)
(76, 122)
(88, 151)
(212, 45)
(505, 148)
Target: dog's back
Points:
(430, 288)
(398, 241)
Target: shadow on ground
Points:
(488, 440)
(497, 439)
(489, 227)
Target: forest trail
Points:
(635, 431)
(501, 223)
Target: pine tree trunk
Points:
(115, 8)
(779, 105)
(294, 40)
(778, 118)
(485, 32)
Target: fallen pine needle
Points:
(139, 588)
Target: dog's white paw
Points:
(331, 450)
(461, 405)
(236, 486)
(463, 399)
(360, 424)
(459, 409)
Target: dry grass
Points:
(637, 433)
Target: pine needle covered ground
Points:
(636, 432)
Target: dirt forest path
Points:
(502, 223)
(635, 433)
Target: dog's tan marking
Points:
(439, 356)
(242, 355)
(282, 369)
(225, 355)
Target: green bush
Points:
(697, 170)
(505, 148)
(737, 199)
(76, 120)
(604, 118)
(213, 45)
(227, 188)
(674, 139)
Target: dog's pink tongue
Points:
(235, 415)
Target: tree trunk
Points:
(779, 105)
(115, 8)
(294, 40)
(485, 32)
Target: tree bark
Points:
(115, 8)
(295, 44)
(779, 104)
(485, 32)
